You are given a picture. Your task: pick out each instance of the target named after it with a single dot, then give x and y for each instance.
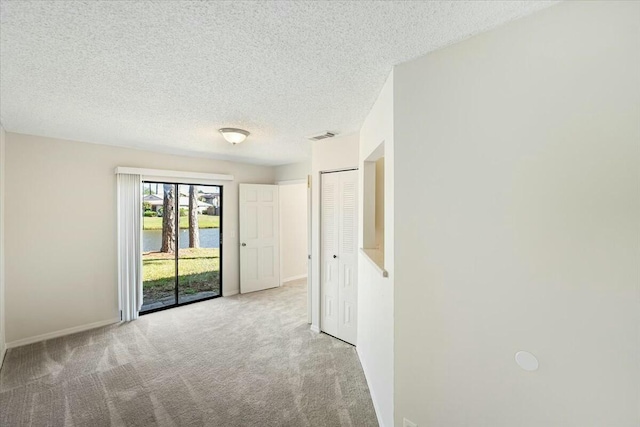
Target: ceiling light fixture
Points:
(233, 135)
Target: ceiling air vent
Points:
(321, 136)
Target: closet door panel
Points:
(348, 256)
(330, 241)
(339, 249)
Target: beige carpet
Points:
(245, 360)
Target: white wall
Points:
(518, 224)
(2, 255)
(340, 152)
(293, 232)
(61, 267)
(375, 293)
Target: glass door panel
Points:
(158, 244)
(199, 237)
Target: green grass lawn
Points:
(198, 271)
(204, 221)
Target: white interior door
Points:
(339, 273)
(259, 235)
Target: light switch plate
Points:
(407, 423)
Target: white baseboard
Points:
(371, 392)
(315, 329)
(292, 278)
(61, 333)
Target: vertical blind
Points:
(129, 245)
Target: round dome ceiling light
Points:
(527, 361)
(234, 136)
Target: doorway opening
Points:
(181, 244)
(295, 235)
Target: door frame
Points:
(309, 249)
(177, 254)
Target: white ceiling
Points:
(165, 75)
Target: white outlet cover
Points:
(527, 361)
(407, 423)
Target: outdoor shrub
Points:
(183, 212)
(150, 213)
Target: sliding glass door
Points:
(181, 245)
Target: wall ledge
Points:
(375, 257)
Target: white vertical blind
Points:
(129, 242)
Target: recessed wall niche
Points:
(373, 207)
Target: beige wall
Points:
(380, 204)
(293, 171)
(518, 224)
(375, 292)
(336, 153)
(293, 231)
(61, 266)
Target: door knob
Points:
(335, 256)
(244, 244)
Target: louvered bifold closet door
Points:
(347, 258)
(330, 249)
(339, 276)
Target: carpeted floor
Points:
(245, 360)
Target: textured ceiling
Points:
(165, 75)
